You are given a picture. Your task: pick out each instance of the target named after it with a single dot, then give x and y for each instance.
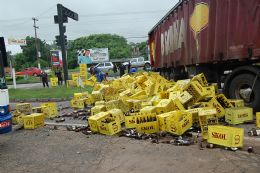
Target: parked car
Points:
(104, 66)
(138, 62)
(31, 71)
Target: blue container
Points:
(5, 124)
(4, 110)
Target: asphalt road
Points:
(47, 150)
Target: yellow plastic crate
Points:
(71, 83)
(89, 83)
(177, 105)
(16, 113)
(127, 93)
(179, 122)
(155, 100)
(161, 118)
(225, 103)
(33, 121)
(49, 112)
(207, 117)
(112, 104)
(78, 96)
(258, 119)
(184, 97)
(110, 128)
(164, 95)
(174, 94)
(49, 109)
(237, 102)
(134, 104)
(83, 73)
(77, 104)
(146, 103)
(53, 79)
(117, 113)
(197, 91)
(25, 108)
(37, 109)
(147, 123)
(195, 114)
(74, 75)
(226, 136)
(148, 110)
(215, 104)
(97, 109)
(54, 84)
(83, 66)
(18, 119)
(96, 96)
(165, 105)
(100, 103)
(182, 84)
(238, 115)
(93, 120)
(52, 105)
(210, 91)
(201, 78)
(130, 120)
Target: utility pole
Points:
(36, 42)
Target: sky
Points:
(132, 19)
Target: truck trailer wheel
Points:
(241, 87)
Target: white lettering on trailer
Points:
(173, 38)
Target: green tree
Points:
(28, 56)
(117, 46)
(143, 49)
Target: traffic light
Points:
(65, 40)
(58, 40)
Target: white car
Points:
(104, 66)
(138, 62)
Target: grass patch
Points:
(47, 93)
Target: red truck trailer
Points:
(220, 38)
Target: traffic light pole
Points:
(62, 42)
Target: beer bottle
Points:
(148, 118)
(144, 119)
(137, 120)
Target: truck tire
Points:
(240, 87)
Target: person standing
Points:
(58, 74)
(115, 68)
(121, 70)
(129, 67)
(44, 77)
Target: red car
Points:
(32, 71)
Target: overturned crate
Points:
(179, 122)
(226, 136)
(110, 125)
(207, 117)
